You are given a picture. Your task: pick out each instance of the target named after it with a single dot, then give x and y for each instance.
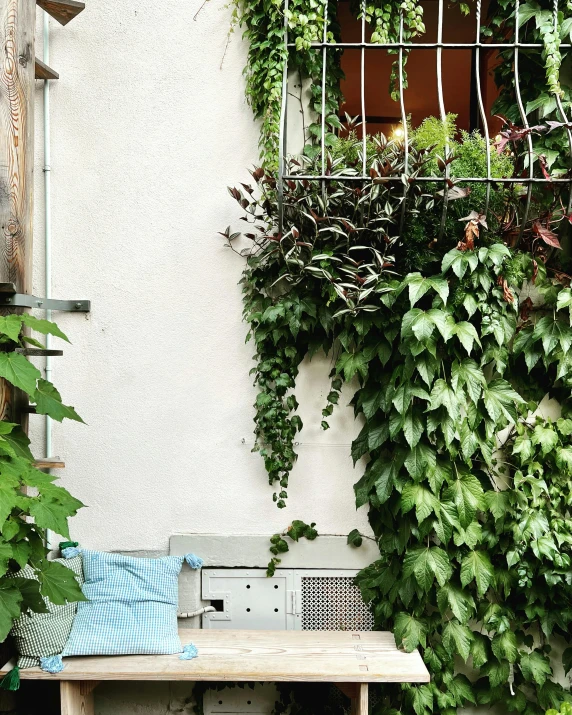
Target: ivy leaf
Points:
(504, 646)
(444, 395)
(467, 334)
(458, 638)
(9, 493)
(49, 514)
(355, 538)
(467, 373)
(497, 503)
(466, 493)
(46, 327)
(461, 603)
(424, 501)
(423, 327)
(11, 325)
(421, 699)
(479, 650)
(471, 536)
(499, 399)
(413, 427)
(546, 437)
(409, 632)
(444, 321)
(10, 599)
(427, 564)
(49, 402)
(535, 667)
(352, 364)
(19, 372)
(477, 566)
(418, 459)
(31, 597)
(58, 583)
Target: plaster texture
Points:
(147, 132)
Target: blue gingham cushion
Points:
(131, 608)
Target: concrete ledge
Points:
(251, 551)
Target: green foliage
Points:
(27, 492)
(278, 545)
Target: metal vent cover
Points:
(333, 603)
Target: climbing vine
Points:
(451, 332)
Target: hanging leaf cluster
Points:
(30, 501)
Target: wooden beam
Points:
(42, 71)
(76, 698)
(49, 463)
(62, 10)
(17, 89)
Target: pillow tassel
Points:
(11, 681)
(70, 552)
(195, 562)
(189, 652)
(52, 664)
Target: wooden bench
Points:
(349, 659)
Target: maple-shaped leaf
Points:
(409, 632)
(477, 566)
(535, 667)
(19, 372)
(458, 638)
(10, 600)
(49, 402)
(58, 583)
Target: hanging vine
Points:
(450, 347)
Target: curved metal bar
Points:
(525, 123)
(405, 127)
(482, 107)
(442, 114)
(282, 128)
(560, 106)
(362, 90)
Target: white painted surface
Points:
(147, 132)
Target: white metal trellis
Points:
(402, 48)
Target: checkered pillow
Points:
(131, 607)
(39, 635)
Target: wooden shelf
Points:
(45, 72)
(61, 10)
(49, 463)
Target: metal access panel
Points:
(248, 599)
(330, 601)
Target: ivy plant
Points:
(30, 500)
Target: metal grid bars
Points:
(401, 49)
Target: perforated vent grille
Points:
(332, 603)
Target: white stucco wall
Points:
(147, 132)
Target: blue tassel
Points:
(195, 562)
(189, 652)
(52, 664)
(70, 552)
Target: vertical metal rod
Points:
(405, 128)
(282, 127)
(482, 108)
(442, 114)
(523, 117)
(323, 133)
(362, 90)
(560, 106)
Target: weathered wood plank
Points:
(17, 27)
(50, 463)
(43, 71)
(271, 656)
(62, 10)
(76, 698)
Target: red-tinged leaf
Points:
(542, 160)
(534, 271)
(548, 236)
(526, 309)
(257, 174)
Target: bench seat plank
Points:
(305, 656)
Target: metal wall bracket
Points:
(9, 298)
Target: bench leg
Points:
(360, 704)
(76, 697)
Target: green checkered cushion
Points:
(43, 634)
